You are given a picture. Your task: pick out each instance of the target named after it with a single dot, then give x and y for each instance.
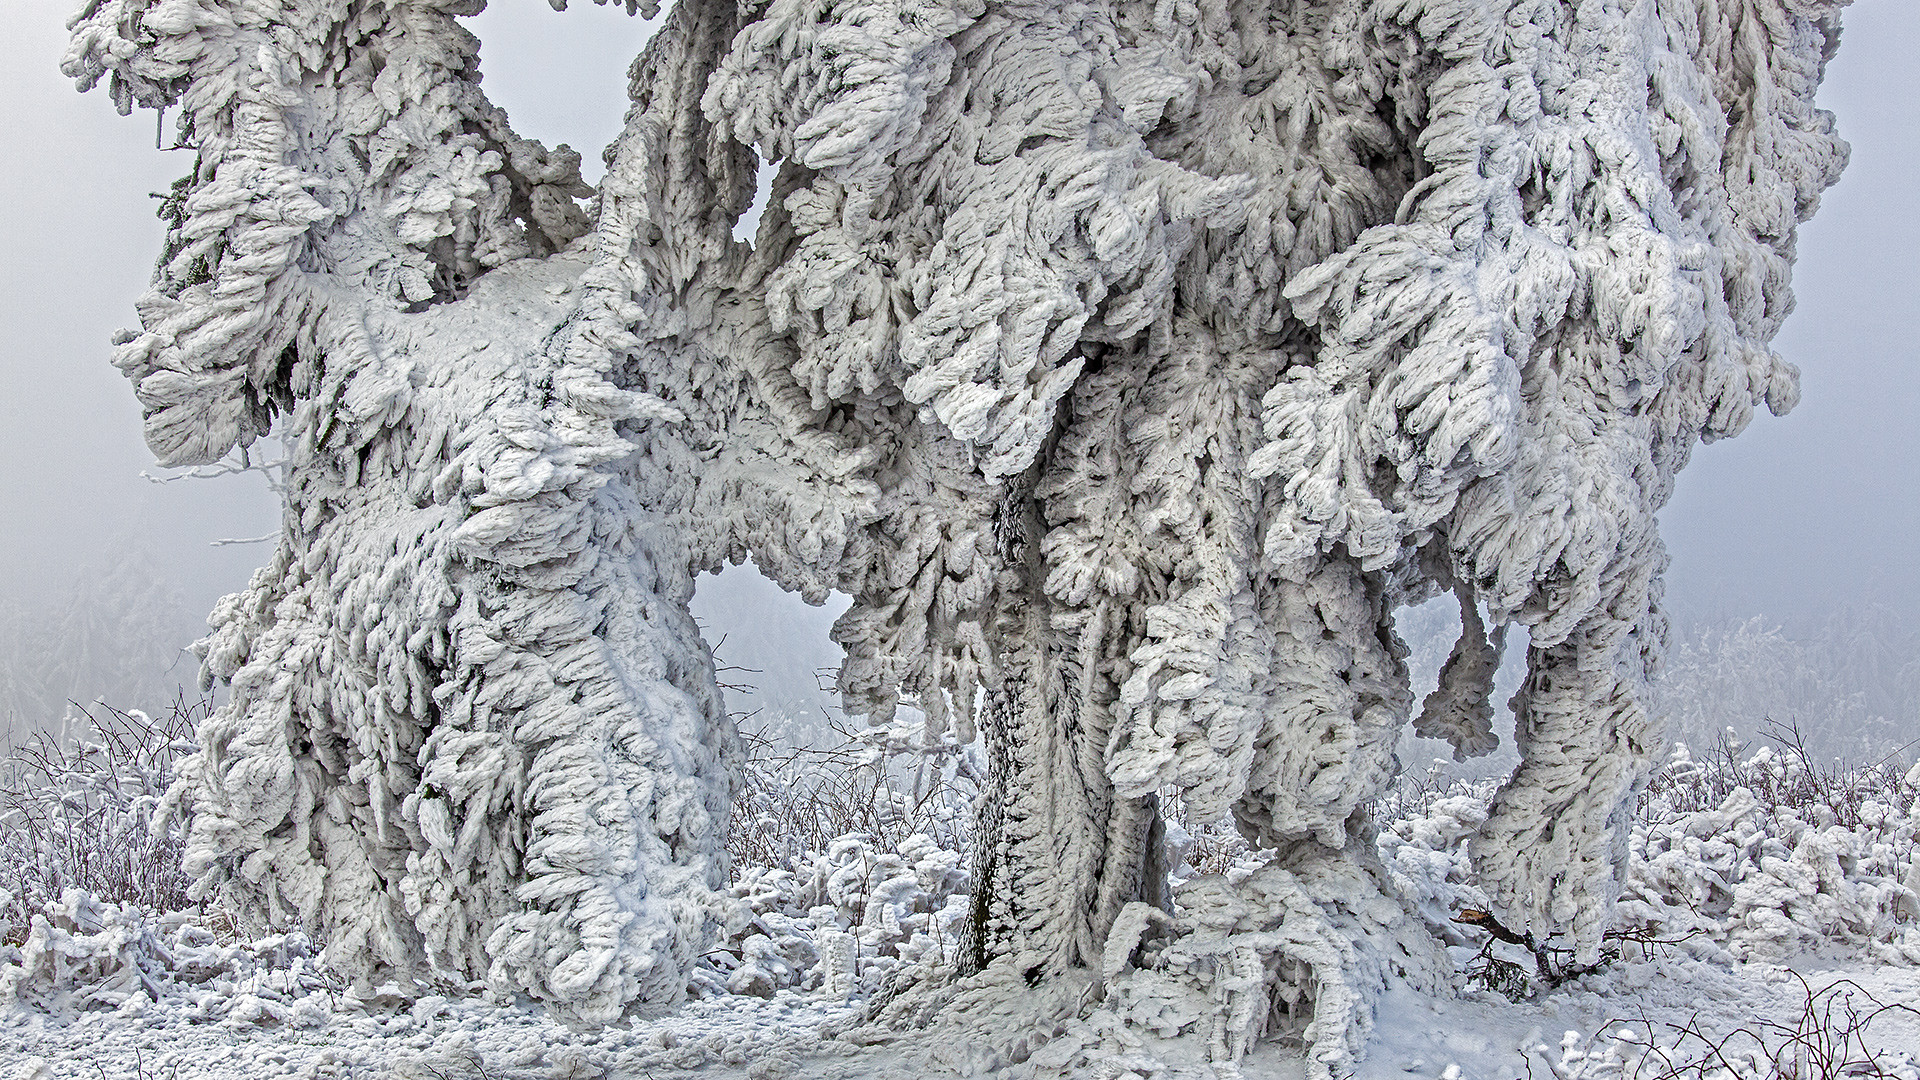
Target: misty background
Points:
(1794, 588)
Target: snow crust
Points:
(1127, 362)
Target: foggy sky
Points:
(1794, 516)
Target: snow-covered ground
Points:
(1583, 1030)
(1770, 929)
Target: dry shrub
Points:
(886, 784)
(1784, 775)
(1413, 794)
(1830, 1039)
(83, 813)
(1205, 847)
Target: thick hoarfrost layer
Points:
(473, 731)
(1127, 362)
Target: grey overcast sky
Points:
(1795, 515)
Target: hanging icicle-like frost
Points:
(1460, 708)
(1583, 286)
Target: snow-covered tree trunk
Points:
(1058, 852)
(473, 730)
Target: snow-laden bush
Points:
(95, 906)
(84, 813)
(849, 860)
(843, 920)
(1750, 854)
(886, 783)
(1771, 854)
(83, 953)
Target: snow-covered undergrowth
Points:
(1790, 858)
(1831, 1035)
(852, 878)
(83, 953)
(1760, 856)
(847, 863)
(81, 813)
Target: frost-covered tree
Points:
(1127, 362)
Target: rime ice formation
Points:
(1127, 362)
(473, 730)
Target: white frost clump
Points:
(1715, 869)
(1128, 363)
(1769, 880)
(884, 910)
(82, 953)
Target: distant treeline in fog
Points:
(117, 634)
(1848, 678)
